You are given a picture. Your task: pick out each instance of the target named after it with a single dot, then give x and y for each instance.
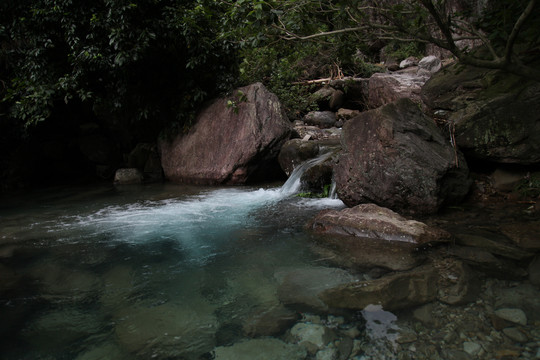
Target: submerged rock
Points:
(235, 140)
(313, 337)
(392, 292)
(302, 287)
(260, 349)
(269, 322)
(396, 157)
(167, 330)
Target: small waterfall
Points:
(332, 194)
(292, 185)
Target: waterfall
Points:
(292, 185)
(332, 194)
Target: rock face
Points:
(396, 157)
(322, 119)
(496, 115)
(372, 221)
(230, 144)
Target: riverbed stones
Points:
(260, 349)
(269, 322)
(234, 140)
(167, 330)
(396, 157)
(301, 287)
(313, 337)
(516, 316)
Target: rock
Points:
(313, 337)
(496, 114)
(56, 329)
(294, 152)
(230, 144)
(302, 287)
(534, 271)
(260, 349)
(372, 221)
(365, 254)
(317, 177)
(504, 180)
(392, 292)
(429, 65)
(424, 314)
(486, 262)
(472, 348)
(346, 114)
(523, 233)
(337, 99)
(524, 296)
(515, 334)
(128, 176)
(167, 331)
(396, 157)
(391, 64)
(491, 241)
(271, 322)
(103, 351)
(517, 316)
(145, 157)
(385, 88)
(69, 284)
(457, 283)
(355, 90)
(327, 354)
(408, 62)
(322, 119)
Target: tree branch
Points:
(516, 29)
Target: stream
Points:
(168, 271)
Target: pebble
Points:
(471, 348)
(515, 334)
(516, 316)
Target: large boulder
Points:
(496, 115)
(396, 157)
(235, 140)
(385, 88)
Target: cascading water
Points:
(158, 271)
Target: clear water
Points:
(159, 271)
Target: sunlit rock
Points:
(372, 221)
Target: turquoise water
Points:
(158, 271)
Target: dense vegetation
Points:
(147, 65)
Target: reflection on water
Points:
(151, 272)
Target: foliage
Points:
(529, 186)
(324, 194)
(129, 61)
